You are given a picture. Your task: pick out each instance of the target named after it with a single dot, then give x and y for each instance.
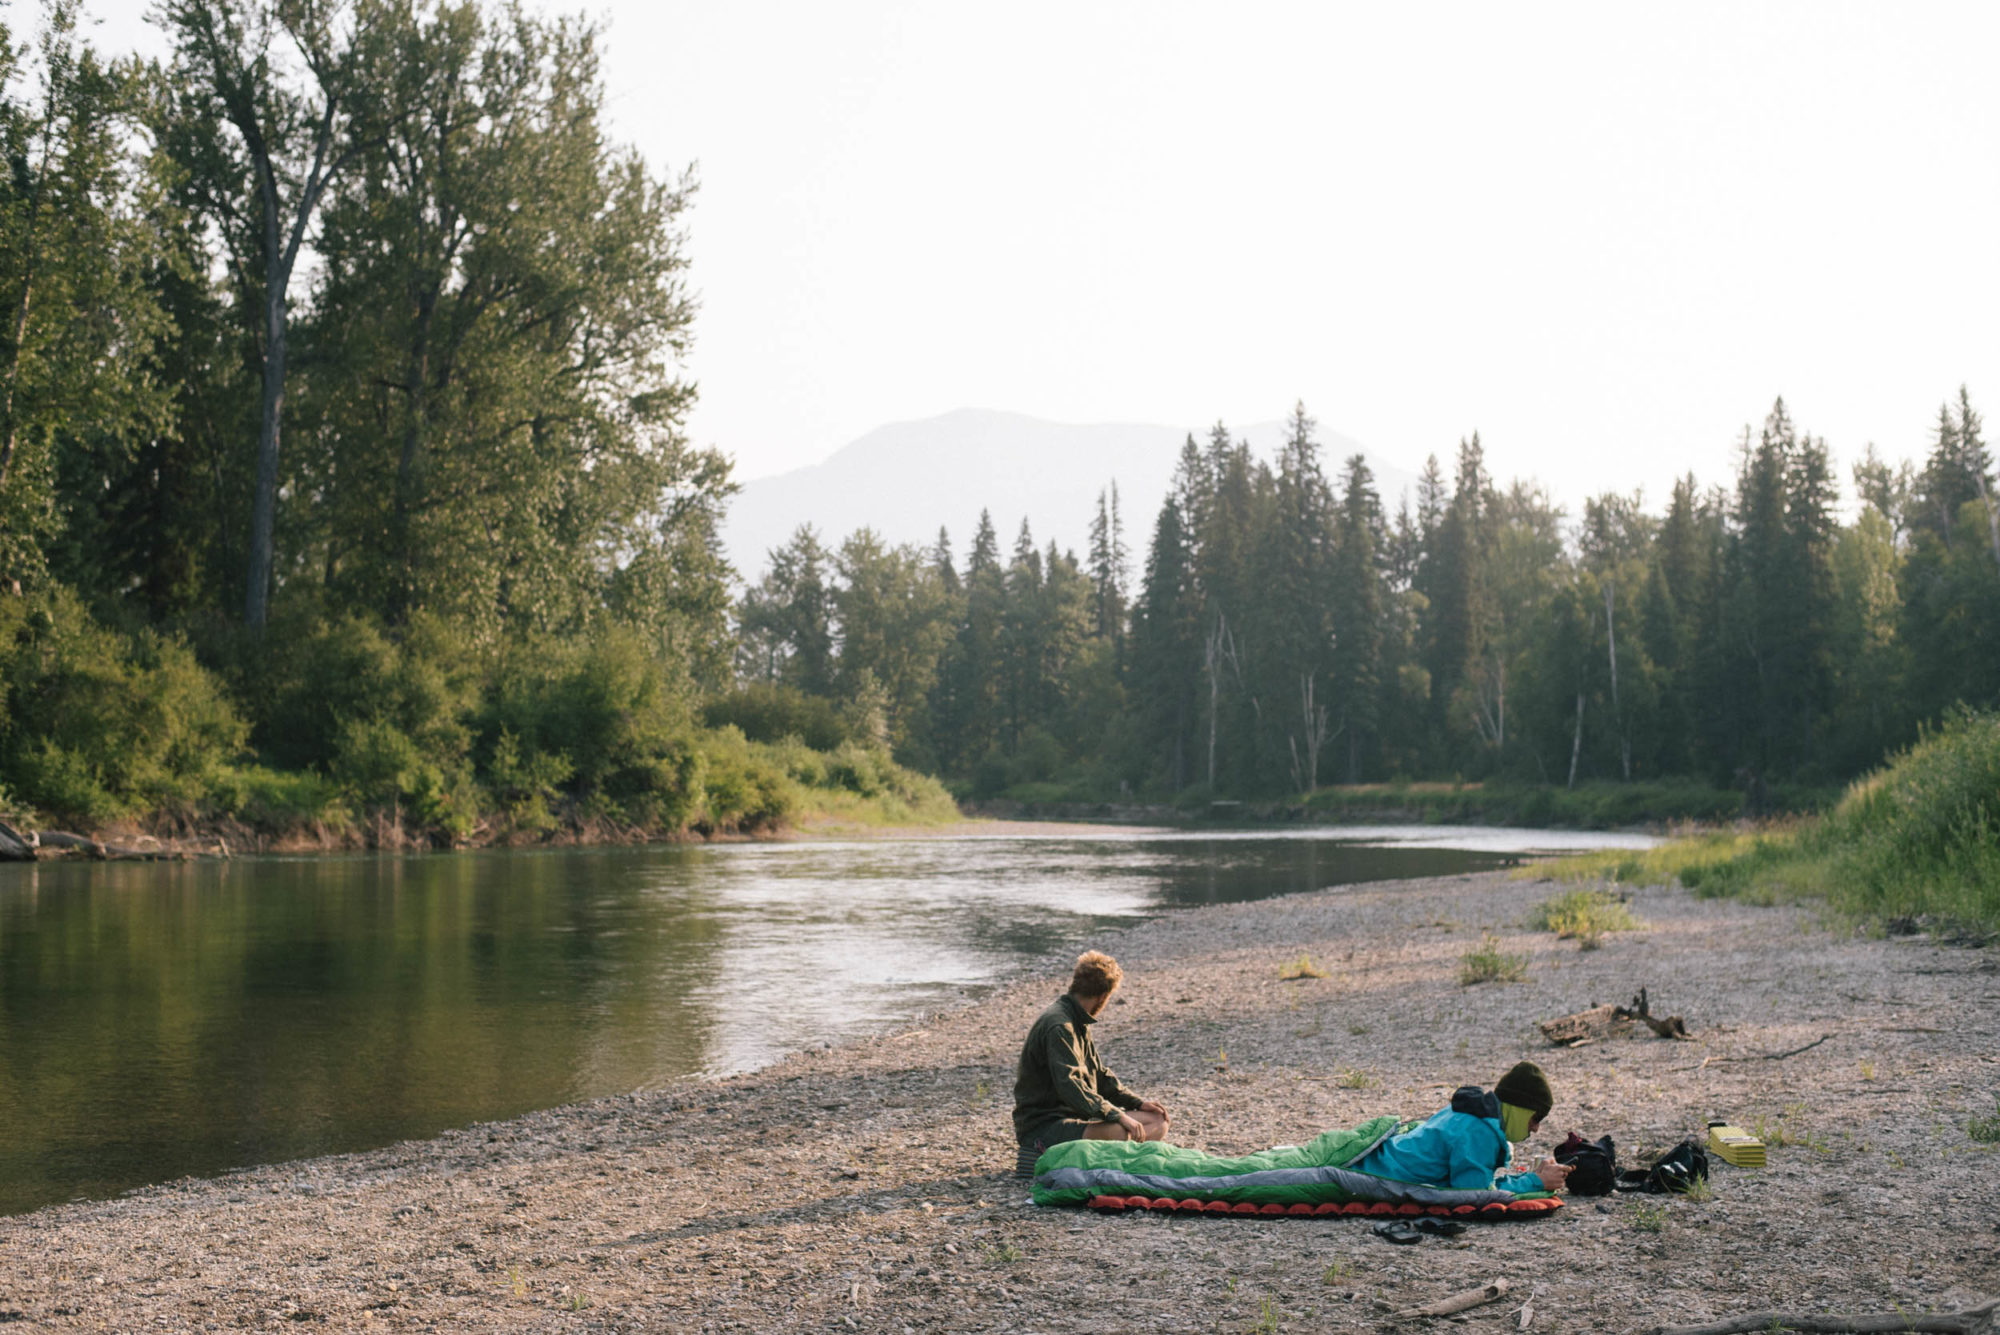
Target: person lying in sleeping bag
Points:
(1464, 1146)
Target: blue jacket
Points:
(1461, 1147)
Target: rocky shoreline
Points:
(867, 1186)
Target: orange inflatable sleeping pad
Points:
(1530, 1209)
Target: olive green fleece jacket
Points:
(1061, 1077)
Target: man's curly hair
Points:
(1097, 975)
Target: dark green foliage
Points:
(96, 725)
(766, 713)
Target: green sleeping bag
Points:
(1318, 1171)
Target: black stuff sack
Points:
(1593, 1164)
(1677, 1171)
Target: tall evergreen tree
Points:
(1166, 651)
(1357, 593)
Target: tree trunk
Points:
(1212, 657)
(264, 503)
(1617, 710)
(409, 467)
(1576, 742)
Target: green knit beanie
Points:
(1526, 1087)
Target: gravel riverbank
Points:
(866, 1187)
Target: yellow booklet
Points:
(1735, 1145)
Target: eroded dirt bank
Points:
(865, 1187)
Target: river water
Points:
(162, 1020)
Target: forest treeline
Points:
(344, 487)
(342, 463)
(1284, 630)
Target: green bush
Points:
(767, 713)
(601, 705)
(386, 714)
(745, 786)
(278, 801)
(99, 725)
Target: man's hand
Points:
(1133, 1131)
(1553, 1175)
(1158, 1110)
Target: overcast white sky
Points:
(1605, 236)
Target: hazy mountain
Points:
(906, 479)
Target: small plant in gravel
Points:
(1267, 1318)
(1302, 967)
(1352, 1077)
(1779, 1131)
(1585, 916)
(1489, 964)
(1868, 1070)
(1006, 1253)
(1337, 1270)
(520, 1285)
(1357, 1029)
(1986, 1130)
(1699, 1191)
(980, 1093)
(1649, 1218)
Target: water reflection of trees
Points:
(156, 1021)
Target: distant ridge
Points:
(906, 479)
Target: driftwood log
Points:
(1966, 1322)
(18, 847)
(15, 846)
(1570, 1031)
(1458, 1302)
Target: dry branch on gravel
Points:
(1457, 1302)
(1966, 1322)
(1608, 1021)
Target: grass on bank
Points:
(1918, 839)
(1591, 805)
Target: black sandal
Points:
(1442, 1228)
(1400, 1231)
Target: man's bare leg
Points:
(1152, 1126)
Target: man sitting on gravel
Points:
(1464, 1146)
(1062, 1090)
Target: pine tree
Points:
(977, 651)
(1357, 594)
(1457, 614)
(1166, 652)
(785, 623)
(1107, 603)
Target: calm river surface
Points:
(160, 1020)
